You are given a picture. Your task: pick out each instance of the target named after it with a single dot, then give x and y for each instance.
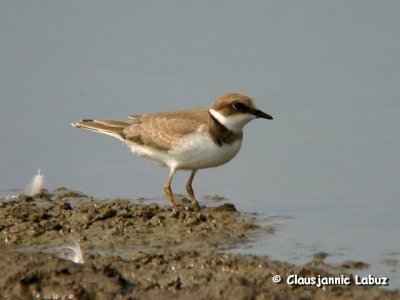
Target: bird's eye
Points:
(239, 106)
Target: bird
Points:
(186, 139)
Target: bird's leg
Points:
(189, 189)
(168, 191)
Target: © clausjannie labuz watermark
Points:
(321, 281)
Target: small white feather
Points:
(36, 186)
(71, 252)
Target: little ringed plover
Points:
(186, 139)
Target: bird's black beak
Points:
(260, 114)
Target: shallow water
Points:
(327, 72)
(298, 237)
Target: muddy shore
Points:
(144, 251)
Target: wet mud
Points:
(146, 251)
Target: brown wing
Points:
(161, 130)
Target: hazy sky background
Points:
(328, 71)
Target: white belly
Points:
(198, 151)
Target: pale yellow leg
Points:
(168, 191)
(189, 189)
